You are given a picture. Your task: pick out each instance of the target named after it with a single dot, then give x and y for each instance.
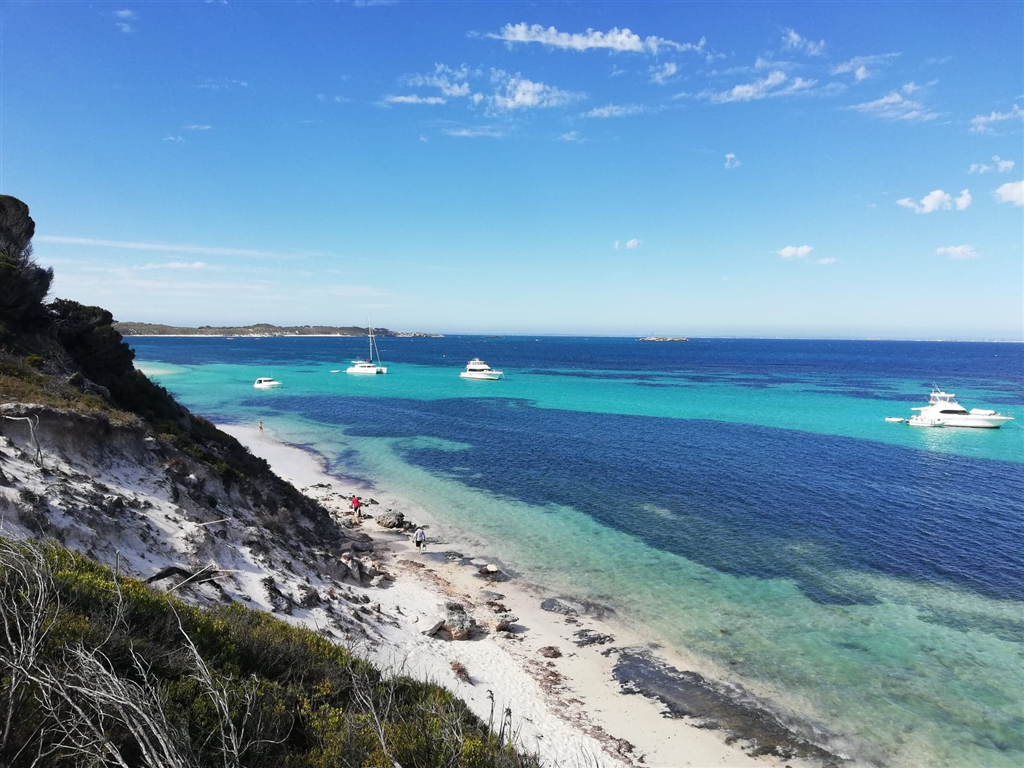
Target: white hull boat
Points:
(265, 382)
(944, 411)
(480, 371)
(368, 367)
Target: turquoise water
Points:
(745, 502)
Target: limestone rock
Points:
(391, 519)
(457, 621)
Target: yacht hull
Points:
(367, 372)
(481, 375)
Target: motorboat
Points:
(481, 371)
(368, 366)
(895, 419)
(266, 382)
(944, 411)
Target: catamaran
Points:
(368, 366)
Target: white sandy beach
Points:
(569, 708)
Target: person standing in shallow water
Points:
(261, 427)
(420, 539)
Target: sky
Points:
(809, 169)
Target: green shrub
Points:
(36, 361)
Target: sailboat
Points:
(368, 366)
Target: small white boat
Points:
(368, 366)
(481, 371)
(944, 411)
(894, 419)
(265, 382)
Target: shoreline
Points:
(589, 687)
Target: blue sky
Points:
(799, 169)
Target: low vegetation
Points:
(100, 670)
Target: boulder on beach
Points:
(391, 519)
(457, 622)
(503, 621)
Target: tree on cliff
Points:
(23, 283)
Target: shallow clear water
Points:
(744, 500)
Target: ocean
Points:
(740, 501)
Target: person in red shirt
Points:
(355, 508)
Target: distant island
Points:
(259, 330)
(664, 338)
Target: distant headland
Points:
(654, 338)
(259, 330)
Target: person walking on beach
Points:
(355, 508)
(261, 427)
(420, 539)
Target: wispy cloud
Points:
(221, 83)
(893, 106)
(998, 165)
(614, 110)
(863, 67)
(484, 131)
(662, 74)
(795, 251)
(776, 83)
(731, 161)
(521, 93)
(983, 123)
(452, 81)
(827, 261)
(632, 245)
(1011, 192)
(336, 99)
(372, 3)
(791, 41)
(414, 99)
(614, 39)
(175, 139)
(957, 252)
(937, 200)
(196, 127)
(124, 17)
(573, 136)
(132, 245)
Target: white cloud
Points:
(190, 265)
(982, 123)
(1000, 166)
(196, 127)
(423, 138)
(521, 93)
(858, 66)
(198, 250)
(892, 106)
(472, 133)
(614, 39)
(616, 245)
(173, 138)
(125, 14)
(413, 99)
(632, 245)
(791, 41)
(957, 252)
(731, 161)
(573, 136)
(768, 86)
(795, 251)
(909, 88)
(372, 3)
(937, 200)
(661, 75)
(614, 110)
(1011, 192)
(824, 262)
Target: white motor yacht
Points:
(265, 382)
(944, 411)
(478, 369)
(368, 366)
